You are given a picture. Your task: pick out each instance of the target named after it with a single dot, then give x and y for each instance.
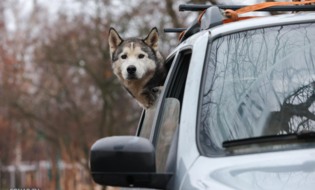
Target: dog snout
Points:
(131, 69)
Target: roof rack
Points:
(200, 7)
(214, 15)
(174, 30)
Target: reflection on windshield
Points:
(259, 82)
(296, 113)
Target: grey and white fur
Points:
(139, 66)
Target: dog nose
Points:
(131, 69)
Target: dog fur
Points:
(139, 66)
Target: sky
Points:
(17, 10)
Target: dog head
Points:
(134, 58)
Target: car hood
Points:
(280, 170)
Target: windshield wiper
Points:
(272, 139)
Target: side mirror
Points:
(126, 161)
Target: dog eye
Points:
(140, 56)
(124, 56)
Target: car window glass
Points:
(170, 120)
(259, 82)
(147, 123)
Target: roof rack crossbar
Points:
(198, 7)
(174, 30)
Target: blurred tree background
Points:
(58, 93)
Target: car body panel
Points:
(273, 170)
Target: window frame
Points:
(168, 90)
(170, 61)
(174, 60)
(174, 87)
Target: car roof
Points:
(267, 21)
(259, 22)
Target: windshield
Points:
(258, 83)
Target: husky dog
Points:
(139, 65)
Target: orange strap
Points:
(233, 15)
(181, 35)
(201, 15)
(238, 19)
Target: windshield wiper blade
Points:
(272, 139)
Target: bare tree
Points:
(58, 93)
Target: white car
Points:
(237, 112)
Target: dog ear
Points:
(114, 40)
(152, 39)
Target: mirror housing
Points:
(126, 161)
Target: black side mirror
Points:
(126, 161)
